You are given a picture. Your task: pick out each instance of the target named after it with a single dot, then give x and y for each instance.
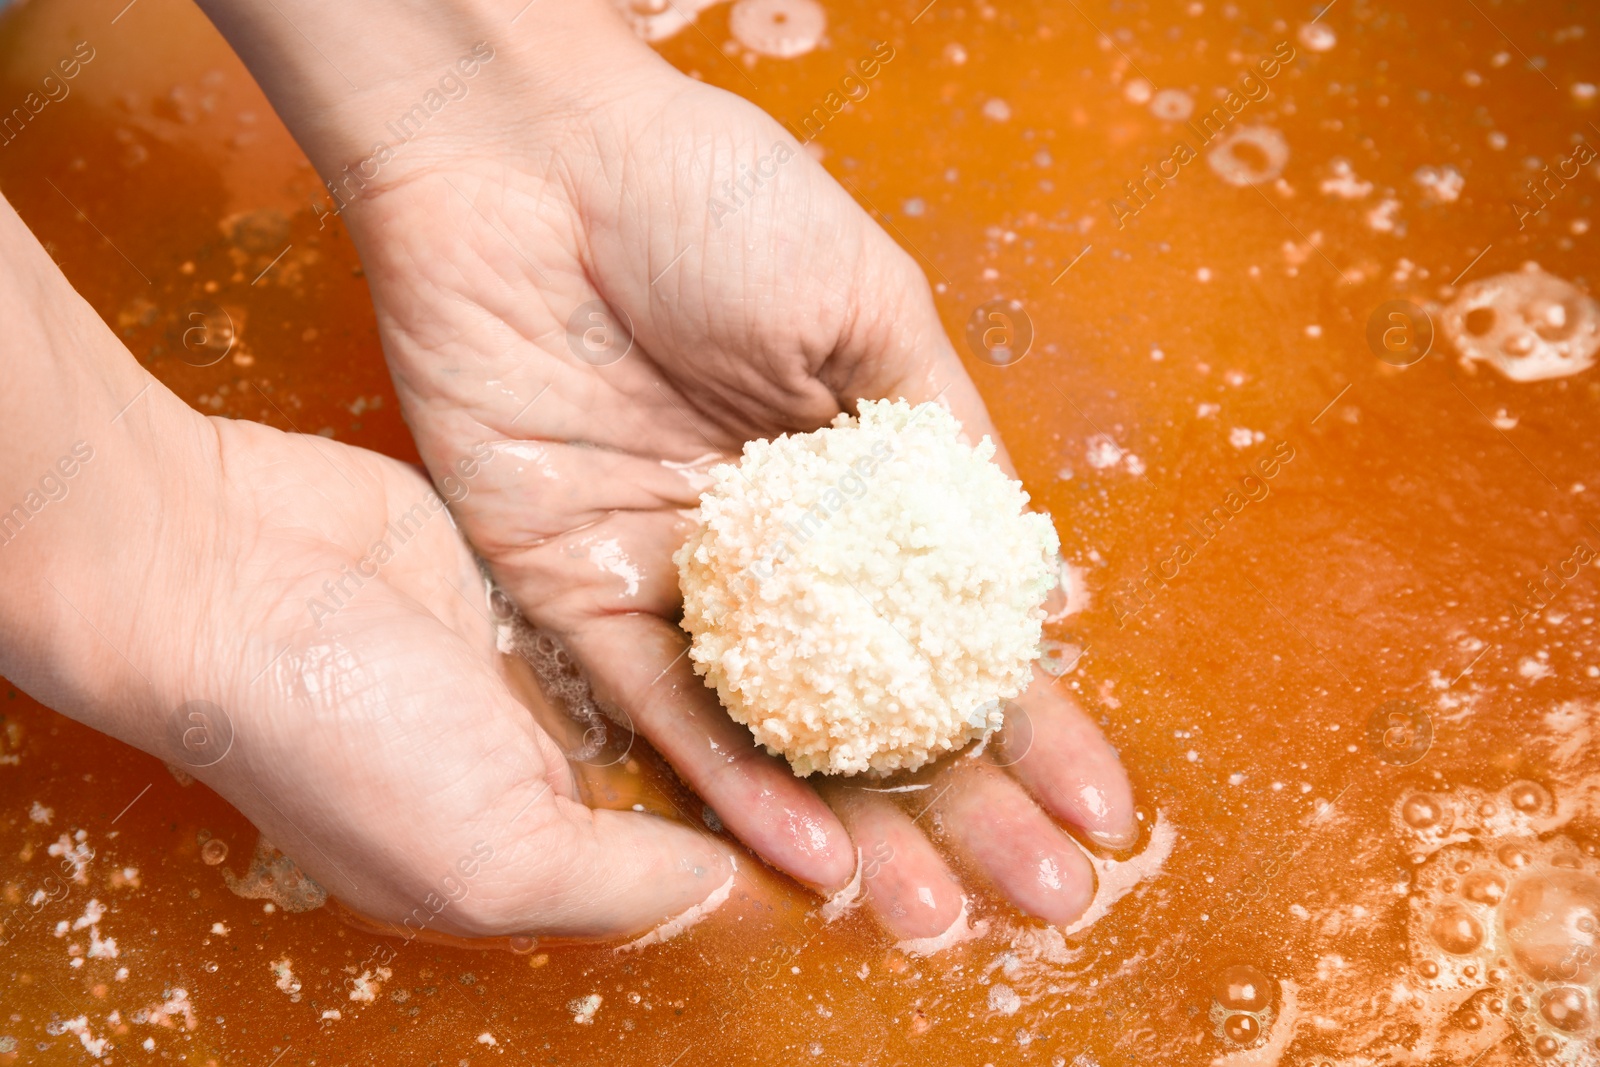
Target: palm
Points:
(338, 752)
(744, 323)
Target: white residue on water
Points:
(1115, 879)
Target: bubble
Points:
(1455, 930)
(1550, 920)
(1399, 332)
(1528, 324)
(214, 851)
(1172, 105)
(1484, 887)
(1421, 811)
(1530, 798)
(1545, 1045)
(1242, 1028)
(999, 332)
(782, 29)
(1513, 856)
(1243, 988)
(597, 335)
(1249, 155)
(1566, 1008)
(1428, 969)
(522, 945)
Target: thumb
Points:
(572, 871)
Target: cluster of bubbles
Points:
(1509, 913)
(1243, 1005)
(607, 731)
(1528, 324)
(275, 877)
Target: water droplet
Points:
(1550, 924)
(1421, 811)
(214, 851)
(1566, 1008)
(1243, 988)
(1455, 930)
(1484, 887)
(1530, 798)
(1242, 1028)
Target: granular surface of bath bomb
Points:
(863, 597)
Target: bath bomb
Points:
(865, 596)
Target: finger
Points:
(571, 871)
(1002, 833)
(909, 888)
(640, 663)
(1064, 761)
(521, 493)
(621, 564)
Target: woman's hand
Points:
(298, 623)
(611, 276)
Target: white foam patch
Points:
(844, 901)
(1115, 879)
(954, 934)
(675, 926)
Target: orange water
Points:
(1375, 577)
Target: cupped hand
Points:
(613, 288)
(300, 624)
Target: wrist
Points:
(374, 94)
(98, 457)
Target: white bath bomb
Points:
(864, 596)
